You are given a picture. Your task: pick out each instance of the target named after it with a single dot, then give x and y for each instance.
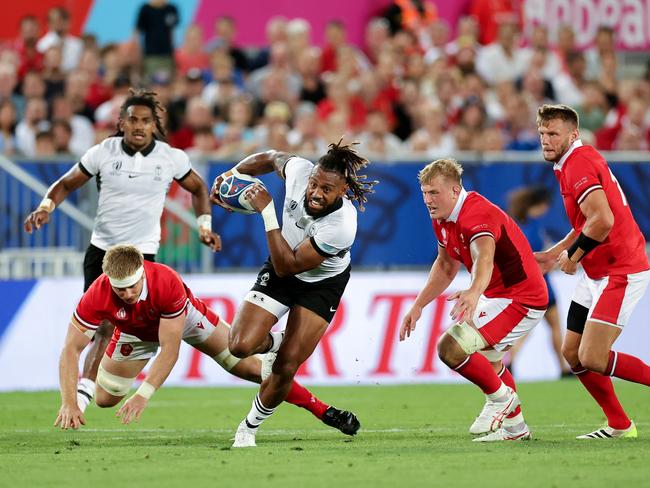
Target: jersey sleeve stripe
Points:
(325, 254)
(175, 314)
(587, 191)
(481, 234)
(84, 170)
(441, 244)
(184, 176)
(84, 323)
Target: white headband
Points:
(129, 280)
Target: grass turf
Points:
(411, 435)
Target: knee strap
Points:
(577, 317)
(113, 384)
(467, 337)
(226, 360)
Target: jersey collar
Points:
(453, 216)
(560, 163)
(145, 290)
(145, 152)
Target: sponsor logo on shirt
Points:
(157, 173)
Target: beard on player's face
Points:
(323, 207)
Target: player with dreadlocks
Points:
(305, 275)
(134, 169)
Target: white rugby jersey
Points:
(332, 234)
(132, 189)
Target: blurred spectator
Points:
(405, 108)
(82, 134)
(58, 21)
(276, 32)
(280, 68)
(155, 23)
(491, 14)
(197, 115)
(298, 40)
(35, 120)
(503, 59)
(304, 138)
(225, 32)
(203, 146)
(604, 47)
(593, 109)
(8, 84)
(44, 144)
(568, 85)
(634, 132)
(377, 141)
(25, 45)
(536, 90)
(549, 62)
(76, 93)
(52, 73)
(33, 86)
(519, 125)
(191, 54)
(336, 48)
(431, 139)
(313, 88)
(466, 35)
(277, 138)
(275, 113)
(107, 113)
(438, 33)
(62, 136)
(222, 88)
(8, 121)
(377, 38)
(566, 43)
(340, 99)
(490, 140)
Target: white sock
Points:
(501, 395)
(276, 341)
(515, 424)
(85, 393)
(258, 413)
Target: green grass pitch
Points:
(411, 436)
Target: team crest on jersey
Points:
(121, 314)
(264, 279)
(157, 173)
(117, 166)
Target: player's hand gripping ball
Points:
(232, 190)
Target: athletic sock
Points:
(85, 393)
(507, 378)
(303, 398)
(258, 413)
(628, 368)
(477, 369)
(602, 390)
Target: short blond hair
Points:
(449, 168)
(122, 261)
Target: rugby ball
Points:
(232, 190)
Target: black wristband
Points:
(587, 244)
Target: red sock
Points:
(477, 369)
(302, 397)
(507, 378)
(601, 388)
(628, 368)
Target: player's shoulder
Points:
(165, 149)
(158, 272)
(296, 164)
(111, 146)
(476, 205)
(584, 157)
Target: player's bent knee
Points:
(226, 360)
(570, 353)
(593, 361)
(114, 385)
(285, 369)
(467, 337)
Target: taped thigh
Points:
(113, 384)
(226, 360)
(467, 337)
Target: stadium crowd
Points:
(412, 90)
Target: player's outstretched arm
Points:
(547, 259)
(55, 194)
(443, 271)
(194, 184)
(70, 416)
(170, 332)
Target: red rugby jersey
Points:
(164, 295)
(516, 274)
(581, 171)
